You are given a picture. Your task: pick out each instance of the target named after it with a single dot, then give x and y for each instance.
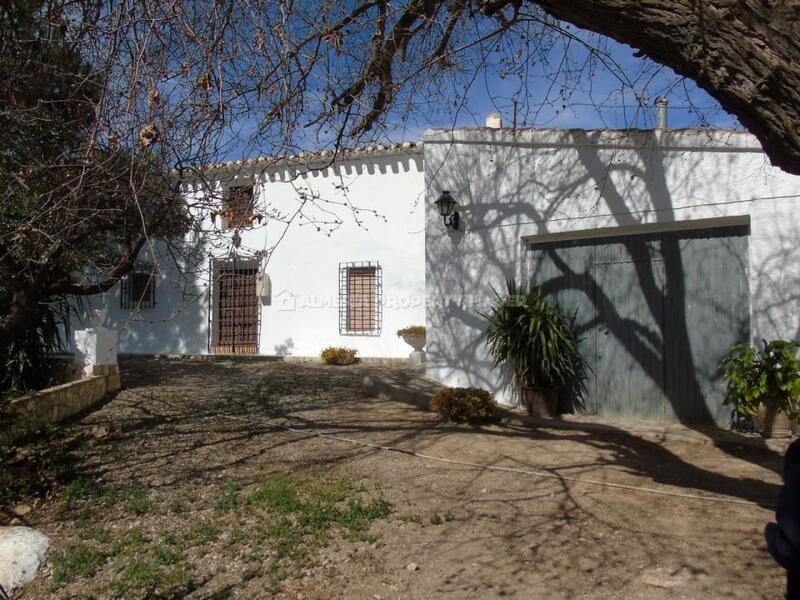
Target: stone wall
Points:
(54, 404)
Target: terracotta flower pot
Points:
(540, 402)
(772, 422)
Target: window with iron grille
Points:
(360, 293)
(238, 206)
(138, 288)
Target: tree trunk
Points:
(745, 53)
(18, 318)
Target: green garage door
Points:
(656, 313)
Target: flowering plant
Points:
(339, 356)
(769, 375)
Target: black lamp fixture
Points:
(446, 205)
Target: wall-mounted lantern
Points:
(446, 205)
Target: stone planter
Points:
(540, 402)
(417, 342)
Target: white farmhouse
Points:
(302, 253)
(670, 246)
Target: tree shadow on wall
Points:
(669, 310)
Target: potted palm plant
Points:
(765, 384)
(528, 335)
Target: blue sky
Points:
(577, 80)
(621, 96)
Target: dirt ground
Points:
(187, 444)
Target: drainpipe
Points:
(662, 113)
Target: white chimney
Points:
(662, 112)
(494, 121)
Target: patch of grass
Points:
(287, 537)
(302, 512)
(87, 530)
(177, 578)
(168, 538)
(74, 561)
(205, 532)
(79, 489)
(359, 515)
(86, 517)
(178, 507)
(146, 568)
(143, 566)
(230, 498)
(131, 543)
(137, 575)
(331, 492)
(276, 493)
(236, 537)
(166, 554)
(294, 519)
(136, 499)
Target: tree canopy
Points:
(75, 209)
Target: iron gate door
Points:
(655, 314)
(236, 311)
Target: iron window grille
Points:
(360, 298)
(238, 207)
(138, 288)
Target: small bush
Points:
(339, 356)
(411, 330)
(464, 404)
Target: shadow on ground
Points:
(174, 409)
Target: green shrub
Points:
(339, 356)
(464, 404)
(769, 375)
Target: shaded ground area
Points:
(181, 487)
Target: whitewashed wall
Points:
(304, 267)
(177, 324)
(542, 182)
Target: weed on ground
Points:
(164, 556)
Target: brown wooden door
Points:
(237, 313)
